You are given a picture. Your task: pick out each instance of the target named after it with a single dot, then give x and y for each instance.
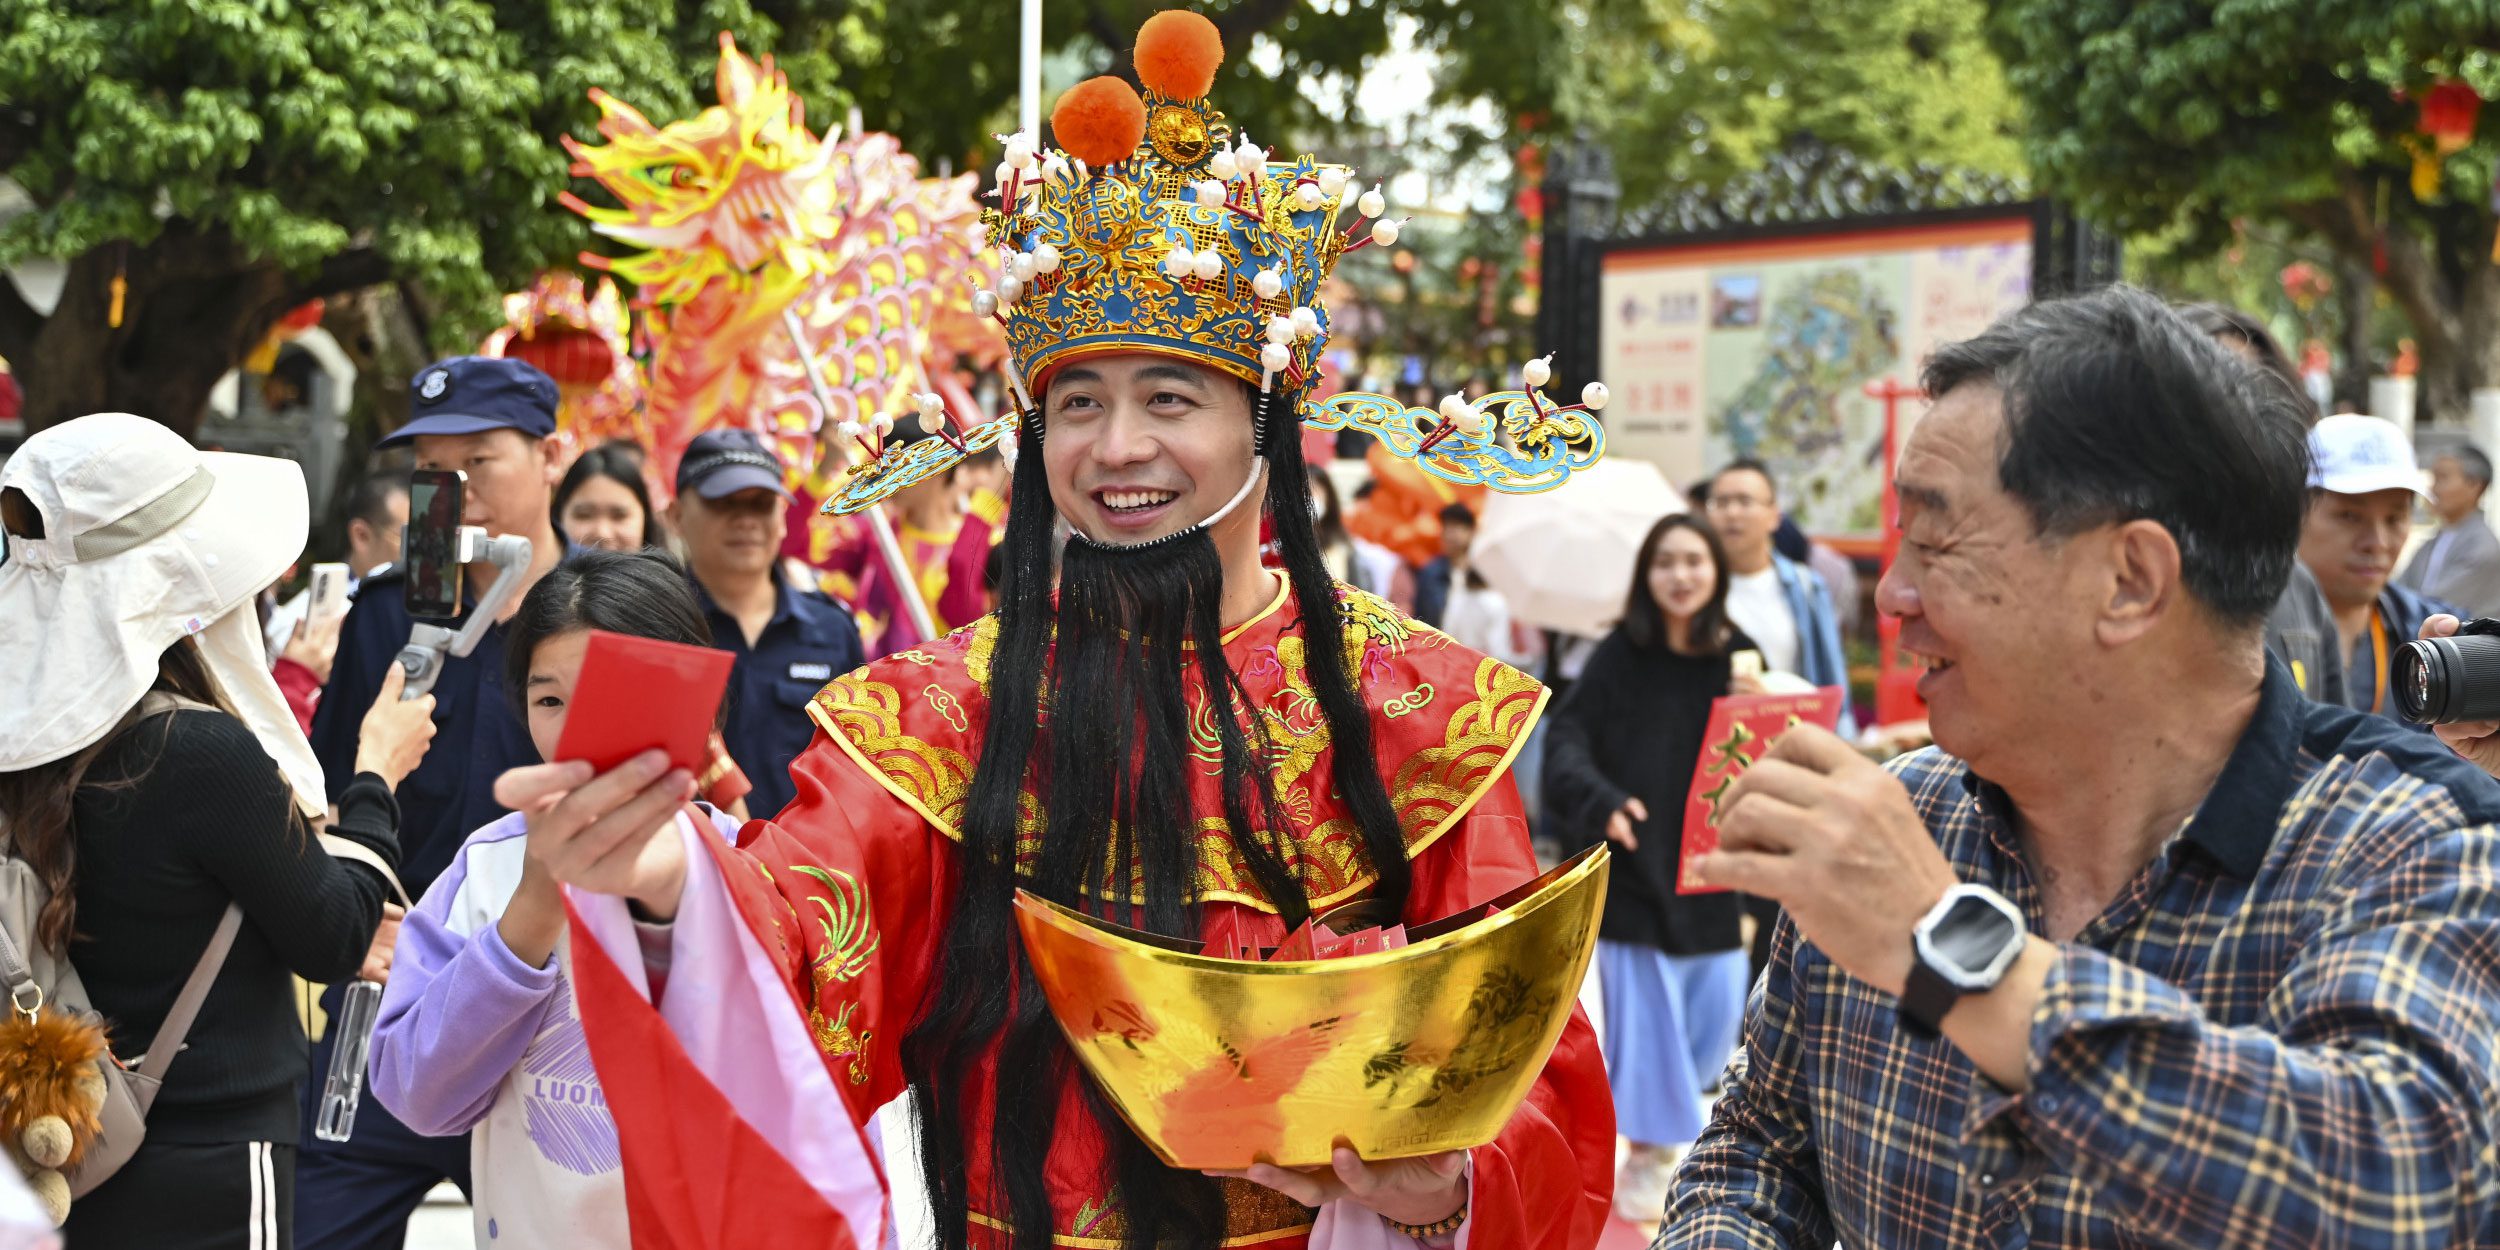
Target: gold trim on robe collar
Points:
(909, 722)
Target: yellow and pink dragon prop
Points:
(743, 215)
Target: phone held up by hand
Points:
(329, 592)
(431, 549)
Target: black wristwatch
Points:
(1962, 946)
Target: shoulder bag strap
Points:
(186, 1006)
(17, 975)
(347, 849)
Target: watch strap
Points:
(1925, 998)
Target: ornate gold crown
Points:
(1157, 227)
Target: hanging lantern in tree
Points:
(578, 359)
(2449, 110)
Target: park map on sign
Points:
(1764, 348)
(1826, 334)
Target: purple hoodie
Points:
(470, 1037)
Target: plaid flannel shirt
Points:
(2282, 1033)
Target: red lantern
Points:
(12, 400)
(574, 358)
(2449, 109)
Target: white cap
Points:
(2356, 455)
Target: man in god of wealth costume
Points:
(1015, 850)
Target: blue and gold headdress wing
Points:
(1156, 227)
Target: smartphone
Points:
(430, 550)
(329, 592)
(638, 693)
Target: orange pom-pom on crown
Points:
(1099, 121)
(1178, 53)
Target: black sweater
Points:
(1632, 726)
(208, 822)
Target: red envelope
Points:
(638, 693)
(1299, 944)
(1742, 727)
(1359, 942)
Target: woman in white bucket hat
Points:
(128, 573)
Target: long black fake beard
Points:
(1116, 695)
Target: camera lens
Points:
(2440, 681)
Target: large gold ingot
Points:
(1221, 1063)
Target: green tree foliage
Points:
(233, 158)
(1695, 92)
(236, 157)
(942, 73)
(2179, 117)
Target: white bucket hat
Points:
(145, 541)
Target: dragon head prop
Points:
(741, 193)
(764, 247)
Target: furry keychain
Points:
(51, 1089)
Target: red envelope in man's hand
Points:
(638, 693)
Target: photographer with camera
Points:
(2450, 679)
(2363, 484)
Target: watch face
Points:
(1971, 935)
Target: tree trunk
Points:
(194, 306)
(2356, 294)
(2451, 370)
(2478, 365)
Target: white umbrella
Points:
(1563, 558)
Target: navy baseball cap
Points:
(720, 463)
(470, 394)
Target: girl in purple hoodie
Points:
(478, 1029)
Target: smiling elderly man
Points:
(2148, 950)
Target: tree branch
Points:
(412, 301)
(351, 270)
